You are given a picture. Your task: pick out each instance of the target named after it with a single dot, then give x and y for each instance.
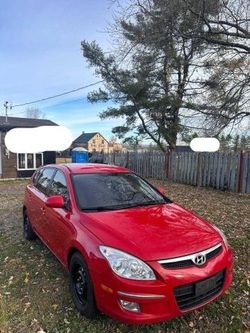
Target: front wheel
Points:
(28, 232)
(81, 287)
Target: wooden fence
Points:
(225, 171)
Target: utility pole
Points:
(6, 105)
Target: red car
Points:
(130, 251)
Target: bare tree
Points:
(226, 70)
(228, 27)
(34, 113)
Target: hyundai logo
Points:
(200, 259)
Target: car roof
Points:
(77, 168)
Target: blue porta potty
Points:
(80, 155)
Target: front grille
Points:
(214, 253)
(193, 294)
(178, 264)
(168, 264)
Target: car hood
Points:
(153, 232)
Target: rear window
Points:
(103, 191)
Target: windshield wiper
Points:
(139, 204)
(148, 203)
(100, 208)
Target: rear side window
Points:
(36, 176)
(44, 179)
(59, 186)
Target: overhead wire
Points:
(48, 98)
(64, 93)
(58, 95)
(25, 111)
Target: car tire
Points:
(28, 232)
(81, 287)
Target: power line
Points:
(67, 92)
(70, 91)
(14, 113)
(74, 90)
(58, 95)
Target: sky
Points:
(40, 56)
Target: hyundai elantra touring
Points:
(131, 253)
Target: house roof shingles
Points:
(183, 149)
(84, 138)
(13, 122)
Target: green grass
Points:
(34, 294)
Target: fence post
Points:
(199, 170)
(127, 162)
(240, 172)
(169, 165)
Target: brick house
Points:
(92, 142)
(22, 165)
(115, 147)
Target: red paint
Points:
(55, 201)
(149, 233)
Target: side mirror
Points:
(161, 190)
(55, 201)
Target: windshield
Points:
(104, 191)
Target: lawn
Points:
(34, 294)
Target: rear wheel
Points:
(81, 287)
(28, 232)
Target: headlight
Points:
(222, 235)
(127, 266)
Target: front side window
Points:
(102, 191)
(44, 179)
(29, 161)
(59, 186)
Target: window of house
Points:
(39, 160)
(29, 161)
(21, 161)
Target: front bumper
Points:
(156, 299)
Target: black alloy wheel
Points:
(81, 286)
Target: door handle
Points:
(43, 210)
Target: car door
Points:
(29, 201)
(37, 202)
(58, 220)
